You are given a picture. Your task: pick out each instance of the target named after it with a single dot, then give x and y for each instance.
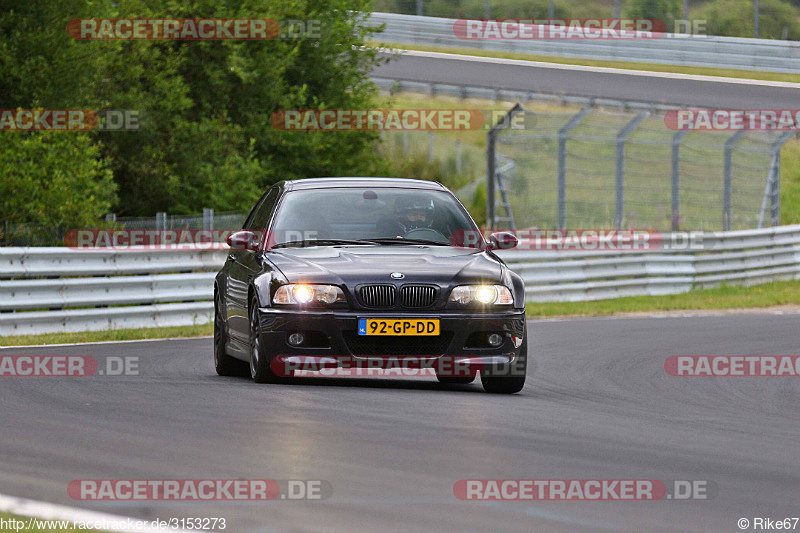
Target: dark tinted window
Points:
(259, 217)
(375, 212)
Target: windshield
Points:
(371, 213)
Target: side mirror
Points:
(503, 240)
(243, 240)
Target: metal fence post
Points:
(676, 179)
(563, 133)
(161, 221)
(775, 197)
(491, 177)
(621, 138)
(728, 178)
(773, 189)
(208, 219)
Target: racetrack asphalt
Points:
(615, 84)
(597, 405)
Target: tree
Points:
(666, 10)
(209, 105)
(56, 179)
(207, 139)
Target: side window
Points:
(257, 221)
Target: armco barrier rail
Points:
(734, 257)
(699, 50)
(44, 290)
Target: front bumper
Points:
(337, 343)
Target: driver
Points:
(411, 213)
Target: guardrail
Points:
(735, 257)
(672, 49)
(44, 290)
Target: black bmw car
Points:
(369, 272)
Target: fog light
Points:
(495, 339)
(296, 339)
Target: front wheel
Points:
(224, 364)
(260, 370)
(510, 379)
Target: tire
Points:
(260, 369)
(508, 384)
(224, 364)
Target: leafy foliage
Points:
(55, 178)
(666, 10)
(735, 18)
(206, 139)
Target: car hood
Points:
(352, 265)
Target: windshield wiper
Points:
(398, 240)
(318, 242)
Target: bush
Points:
(734, 18)
(667, 10)
(56, 179)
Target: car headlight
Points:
(300, 293)
(481, 294)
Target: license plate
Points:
(398, 326)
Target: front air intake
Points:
(378, 295)
(418, 296)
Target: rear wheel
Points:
(224, 364)
(510, 379)
(260, 370)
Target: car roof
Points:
(332, 183)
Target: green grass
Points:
(109, 335)
(790, 183)
(723, 297)
(628, 65)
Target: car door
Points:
(243, 265)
